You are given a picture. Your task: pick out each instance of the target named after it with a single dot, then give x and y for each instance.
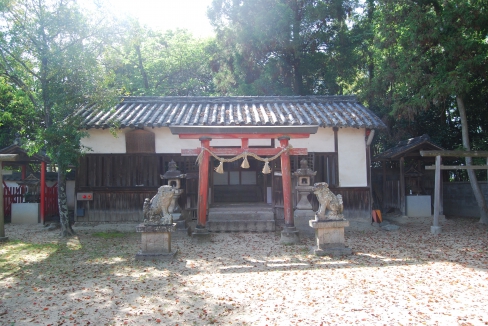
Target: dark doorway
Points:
(238, 185)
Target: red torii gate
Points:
(244, 137)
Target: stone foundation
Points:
(155, 241)
(330, 237)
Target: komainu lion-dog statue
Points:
(156, 210)
(331, 206)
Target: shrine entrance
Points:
(235, 177)
(238, 185)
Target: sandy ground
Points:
(403, 277)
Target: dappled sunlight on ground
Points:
(403, 277)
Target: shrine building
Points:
(230, 150)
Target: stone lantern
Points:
(303, 212)
(174, 176)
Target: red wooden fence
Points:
(14, 195)
(11, 195)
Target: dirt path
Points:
(404, 277)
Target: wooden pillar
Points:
(43, 192)
(402, 186)
(24, 171)
(203, 185)
(383, 204)
(286, 179)
(2, 213)
(3, 157)
(435, 228)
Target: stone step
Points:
(241, 217)
(241, 226)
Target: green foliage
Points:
(174, 63)
(51, 51)
(417, 58)
(17, 115)
(269, 47)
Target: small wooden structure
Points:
(436, 229)
(48, 195)
(401, 173)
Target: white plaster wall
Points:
(102, 141)
(322, 141)
(352, 157)
(351, 143)
(166, 142)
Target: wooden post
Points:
(286, 180)
(384, 203)
(203, 185)
(402, 186)
(43, 192)
(435, 228)
(3, 157)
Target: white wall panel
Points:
(352, 158)
(322, 141)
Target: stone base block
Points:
(155, 256)
(302, 218)
(330, 237)
(182, 229)
(333, 251)
(289, 235)
(436, 229)
(201, 235)
(182, 233)
(155, 241)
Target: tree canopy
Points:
(50, 52)
(269, 47)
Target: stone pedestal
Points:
(289, 235)
(155, 241)
(200, 235)
(436, 229)
(302, 218)
(182, 228)
(330, 237)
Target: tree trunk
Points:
(141, 67)
(66, 229)
(471, 173)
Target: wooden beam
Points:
(458, 167)
(237, 151)
(8, 157)
(454, 153)
(240, 136)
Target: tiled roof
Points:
(325, 111)
(407, 146)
